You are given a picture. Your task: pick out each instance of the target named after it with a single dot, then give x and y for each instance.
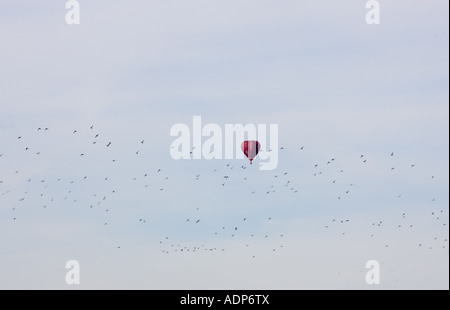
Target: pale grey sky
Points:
(335, 86)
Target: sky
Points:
(360, 108)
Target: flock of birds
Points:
(56, 191)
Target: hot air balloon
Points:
(250, 149)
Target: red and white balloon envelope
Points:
(250, 149)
